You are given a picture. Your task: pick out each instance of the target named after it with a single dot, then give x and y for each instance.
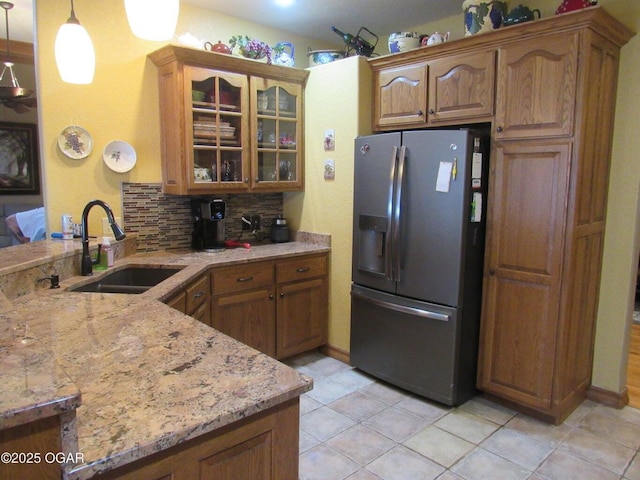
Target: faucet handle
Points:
(55, 280)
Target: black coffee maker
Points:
(208, 224)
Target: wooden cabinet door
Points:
(247, 316)
(278, 136)
(529, 185)
(400, 96)
(537, 88)
(217, 130)
(179, 302)
(461, 87)
(302, 316)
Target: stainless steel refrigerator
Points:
(418, 240)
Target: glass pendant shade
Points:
(152, 19)
(75, 56)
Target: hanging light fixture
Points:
(13, 90)
(152, 19)
(75, 56)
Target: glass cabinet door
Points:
(276, 126)
(218, 126)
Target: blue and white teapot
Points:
(282, 56)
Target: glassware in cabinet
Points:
(276, 157)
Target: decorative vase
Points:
(571, 5)
(403, 41)
(482, 16)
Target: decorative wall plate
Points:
(75, 142)
(119, 156)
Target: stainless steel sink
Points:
(128, 280)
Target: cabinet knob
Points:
(281, 294)
(432, 111)
(257, 179)
(198, 294)
(499, 129)
(244, 279)
(246, 179)
(492, 271)
(271, 296)
(420, 114)
(303, 269)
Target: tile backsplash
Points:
(163, 222)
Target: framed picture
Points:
(19, 166)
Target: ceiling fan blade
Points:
(17, 107)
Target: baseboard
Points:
(337, 353)
(607, 397)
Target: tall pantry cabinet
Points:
(552, 127)
(548, 186)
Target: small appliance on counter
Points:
(208, 224)
(279, 230)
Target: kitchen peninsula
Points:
(139, 388)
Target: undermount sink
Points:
(128, 280)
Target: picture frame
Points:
(19, 164)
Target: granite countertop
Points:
(143, 377)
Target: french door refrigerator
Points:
(418, 243)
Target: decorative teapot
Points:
(520, 14)
(189, 40)
(570, 5)
(282, 56)
(435, 38)
(217, 47)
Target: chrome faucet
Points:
(87, 263)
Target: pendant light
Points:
(13, 90)
(152, 19)
(75, 56)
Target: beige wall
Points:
(338, 97)
(120, 104)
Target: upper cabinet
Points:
(537, 85)
(446, 90)
(277, 129)
(400, 97)
(229, 125)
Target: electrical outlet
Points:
(246, 222)
(255, 222)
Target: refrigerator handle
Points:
(388, 253)
(442, 317)
(397, 203)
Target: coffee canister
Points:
(279, 230)
(67, 227)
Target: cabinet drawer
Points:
(300, 268)
(197, 294)
(242, 277)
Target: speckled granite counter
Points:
(149, 376)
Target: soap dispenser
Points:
(107, 251)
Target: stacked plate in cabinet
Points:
(205, 131)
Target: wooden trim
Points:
(21, 52)
(336, 353)
(608, 397)
(230, 63)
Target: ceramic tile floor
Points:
(354, 427)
